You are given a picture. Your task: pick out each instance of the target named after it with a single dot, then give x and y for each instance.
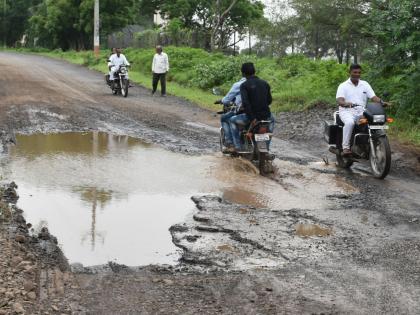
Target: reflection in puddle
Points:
(113, 198)
(106, 197)
(306, 230)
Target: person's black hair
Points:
(355, 66)
(248, 68)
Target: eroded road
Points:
(328, 241)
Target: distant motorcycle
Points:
(121, 83)
(369, 140)
(255, 142)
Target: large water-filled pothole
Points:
(113, 198)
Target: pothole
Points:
(308, 230)
(113, 198)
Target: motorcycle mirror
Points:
(216, 91)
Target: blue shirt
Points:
(234, 94)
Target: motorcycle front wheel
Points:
(124, 87)
(381, 163)
(343, 162)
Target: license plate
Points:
(378, 127)
(262, 137)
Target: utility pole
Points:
(4, 24)
(249, 42)
(96, 29)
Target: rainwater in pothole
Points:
(113, 198)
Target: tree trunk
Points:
(347, 56)
(218, 21)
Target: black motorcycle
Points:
(121, 83)
(369, 140)
(255, 142)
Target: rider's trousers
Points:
(349, 116)
(226, 127)
(234, 122)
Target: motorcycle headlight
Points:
(378, 118)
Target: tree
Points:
(218, 19)
(395, 26)
(68, 24)
(13, 19)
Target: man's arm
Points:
(269, 97)
(126, 61)
(340, 97)
(371, 94)
(167, 62)
(231, 95)
(153, 64)
(246, 104)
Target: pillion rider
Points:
(352, 96)
(233, 96)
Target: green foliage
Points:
(146, 39)
(68, 24)
(216, 18)
(396, 27)
(297, 82)
(14, 20)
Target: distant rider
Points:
(115, 61)
(113, 51)
(233, 96)
(350, 93)
(256, 99)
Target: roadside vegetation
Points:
(302, 47)
(298, 83)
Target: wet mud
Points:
(309, 239)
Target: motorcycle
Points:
(255, 142)
(121, 83)
(368, 142)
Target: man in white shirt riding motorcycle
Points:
(115, 61)
(352, 96)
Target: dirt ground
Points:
(362, 258)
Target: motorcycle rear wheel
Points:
(381, 165)
(264, 164)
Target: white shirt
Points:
(160, 63)
(356, 94)
(116, 61)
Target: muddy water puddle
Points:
(113, 198)
(308, 230)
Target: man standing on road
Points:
(160, 67)
(256, 99)
(350, 93)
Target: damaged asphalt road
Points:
(332, 242)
